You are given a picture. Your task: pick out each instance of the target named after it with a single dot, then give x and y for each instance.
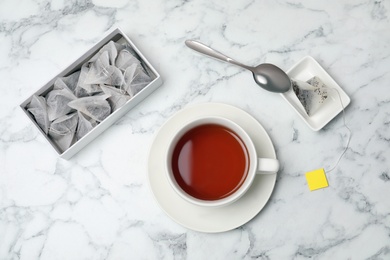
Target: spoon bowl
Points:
(267, 76)
(271, 78)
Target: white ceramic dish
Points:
(304, 70)
(199, 218)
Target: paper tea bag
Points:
(84, 126)
(312, 94)
(117, 97)
(62, 130)
(37, 107)
(135, 79)
(96, 107)
(57, 102)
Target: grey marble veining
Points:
(98, 205)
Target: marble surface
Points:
(98, 204)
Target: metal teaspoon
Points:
(267, 76)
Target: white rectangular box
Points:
(117, 36)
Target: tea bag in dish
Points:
(135, 79)
(311, 94)
(38, 108)
(57, 102)
(63, 129)
(117, 97)
(96, 107)
(85, 124)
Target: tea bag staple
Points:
(38, 109)
(63, 129)
(96, 107)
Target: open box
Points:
(117, 36)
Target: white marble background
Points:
(98, 205)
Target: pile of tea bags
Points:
(312, 94)
(83, 99)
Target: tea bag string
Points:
(345, 125)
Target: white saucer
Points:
(210, 219)
(304, 70)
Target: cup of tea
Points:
(211, 161)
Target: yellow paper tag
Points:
(316, 179)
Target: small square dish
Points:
(305, 69)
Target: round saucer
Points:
(203, 219)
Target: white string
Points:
(350, 132)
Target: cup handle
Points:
(267, 166)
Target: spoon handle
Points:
(200, 47)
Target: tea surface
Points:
(210, 162)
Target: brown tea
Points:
(210, 162)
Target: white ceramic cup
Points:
(256, 165)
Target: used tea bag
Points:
(63, 129)
(96, 107)
(135, 79)
(117, 97)
(57, 102)
(38, 109)
(312, 94)
(84, 126)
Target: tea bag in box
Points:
(117, 97)
(57, 101)
(70, 81)
(63, 129)
(135, 79)
(96, 107)
(37, 107)
(112, 48)
(101, 72)
(85, 125)
(125, 59)
(84, 88)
